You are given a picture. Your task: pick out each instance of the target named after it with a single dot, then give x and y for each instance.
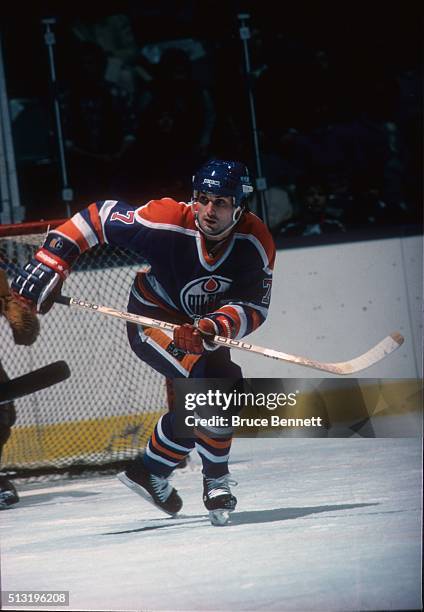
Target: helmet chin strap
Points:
(225, 232)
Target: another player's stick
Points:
(375, 354)
(34, 381)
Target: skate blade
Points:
(219, 518)
(140, 491)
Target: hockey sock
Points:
(164, 451)
(214, 453)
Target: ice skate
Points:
(218, 499)
(154, 489)
(8, 493)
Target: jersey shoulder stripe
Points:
(253, 229)
(167, 214)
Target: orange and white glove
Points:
(194, 338)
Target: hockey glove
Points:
(40, 281)
(23, 322)
(193, 338)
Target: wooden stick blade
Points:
(381, 350)
(374, 355)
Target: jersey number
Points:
(126, 218)
(267, 283)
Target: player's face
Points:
(214, 213)
(316, 199)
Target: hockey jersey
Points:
(184, 281)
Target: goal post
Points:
(105, 412)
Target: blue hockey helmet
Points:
(224, 178)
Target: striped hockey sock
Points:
(164, 451)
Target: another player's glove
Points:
(40, 280)
(23, 322)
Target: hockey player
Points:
(211, 264)
(25, 328)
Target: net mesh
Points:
(105, 412)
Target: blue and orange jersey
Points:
(184, 281)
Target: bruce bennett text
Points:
(237, 421)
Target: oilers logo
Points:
(202, 295)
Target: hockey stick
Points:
(375, 354)
(34, 381)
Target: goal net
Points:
(105, 412)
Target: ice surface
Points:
(321, 524)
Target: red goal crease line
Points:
(375, 354)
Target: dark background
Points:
(338, 91)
